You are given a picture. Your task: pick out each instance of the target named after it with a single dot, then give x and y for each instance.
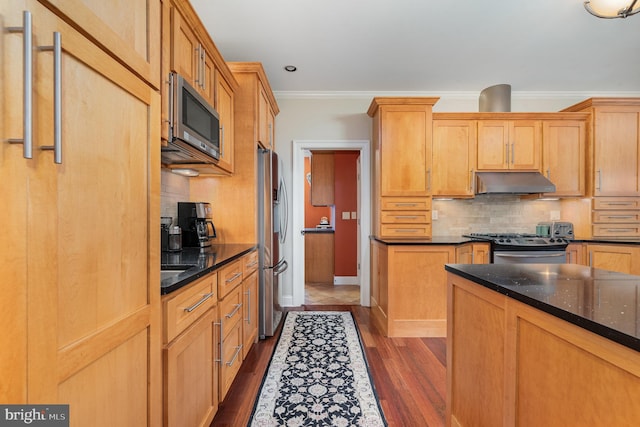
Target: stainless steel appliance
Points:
(195, 219)
(272, 220)
(194, 126)
(514, 248)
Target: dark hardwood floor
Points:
(409, 375)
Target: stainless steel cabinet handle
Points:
(235, 355)
(599, 184)
(428, 179)
(619, 204)
(406, 230)
(248, 294)
(57, 98)
(254, 263)
(27, 89)
(405, 204)
(620, 216)
(529, 256)
(219, 325)
(405, 217)
(507, 152)
(203, 60)
(235, 310)
(234, 277)
(513, 151)
(621, 230)
(199, 303)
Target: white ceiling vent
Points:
(495, 99)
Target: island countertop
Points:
(604, 302)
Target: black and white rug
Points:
(318, 375)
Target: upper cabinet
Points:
(564, 155)
(322, 178)
(189, 51)
(509, 144)
(402, 136)
(454, 156)
(266, 119)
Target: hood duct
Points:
(513, 183)
(495, 99)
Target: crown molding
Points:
(450, 94)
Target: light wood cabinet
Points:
(224, 105)
(473, 253)
(232, 340)
(511, 364)
(621, 258)
(81, 307)
(408, 296)
(402, 142)
(250, 302)
(322, 178)
(575, 253)
(564, 156)
(454, 157)
(266, 118)
(191, 337)
(189, 51)
(509, 144)
(319, 254)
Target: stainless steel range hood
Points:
(513, 183)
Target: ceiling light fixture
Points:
(609, 9)
(290, 68)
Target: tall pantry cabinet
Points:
(80, 307)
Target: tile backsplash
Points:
(173, 189)
(491, 214)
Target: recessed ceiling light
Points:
(290, 68)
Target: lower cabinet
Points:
(621, 258)
(231, 333)
(408, 295)
(473, 253)
(190, 372)
(249, 313)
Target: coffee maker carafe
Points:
(195, 219)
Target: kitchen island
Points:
(542, 344)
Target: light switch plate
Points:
(434, 214)
(354, 215)
(554, 215)
(346, 215)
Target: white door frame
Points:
(299, 148)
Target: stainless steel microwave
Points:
(194, 126)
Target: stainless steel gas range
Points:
(514, 248)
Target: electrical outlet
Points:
(554, 215)
(434, 214)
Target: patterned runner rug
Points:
(318, 375)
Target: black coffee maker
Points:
(195, 219)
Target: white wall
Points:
(343, 116)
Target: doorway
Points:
(300, 148)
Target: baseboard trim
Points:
(346, 280)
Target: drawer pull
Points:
(235, 310)
(199, 303)
(406, 204)
(621, 216)
(234, 277)
(407, 230)
(405, 217)
(235, 356)
(619, 204)
(620, 230)
(253, 264)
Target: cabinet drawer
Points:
(406, 230)
(229, 277)
(616, 230)
(231, 358)
(405, 203)
(249, 263)
(231, 310)
(616, 217)
(617, 203)
(405, 217)
(181, 310)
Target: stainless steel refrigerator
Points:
(272, 220)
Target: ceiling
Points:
(427, 45)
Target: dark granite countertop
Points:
(197, 263)
(604, 302)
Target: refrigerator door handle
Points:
(280, 267)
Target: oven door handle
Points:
(529, 255)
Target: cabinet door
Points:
(263, 119)
(564, 145)
(617, 151)
(185, 49)
(130, 31)
(224, 106)
(191, 380)
(94, 323)
(454, 154)
(322, 178)
(620, 258)
(525, 139)
(250, 313)
(405, 150)
(493, 141)
(575, 253)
